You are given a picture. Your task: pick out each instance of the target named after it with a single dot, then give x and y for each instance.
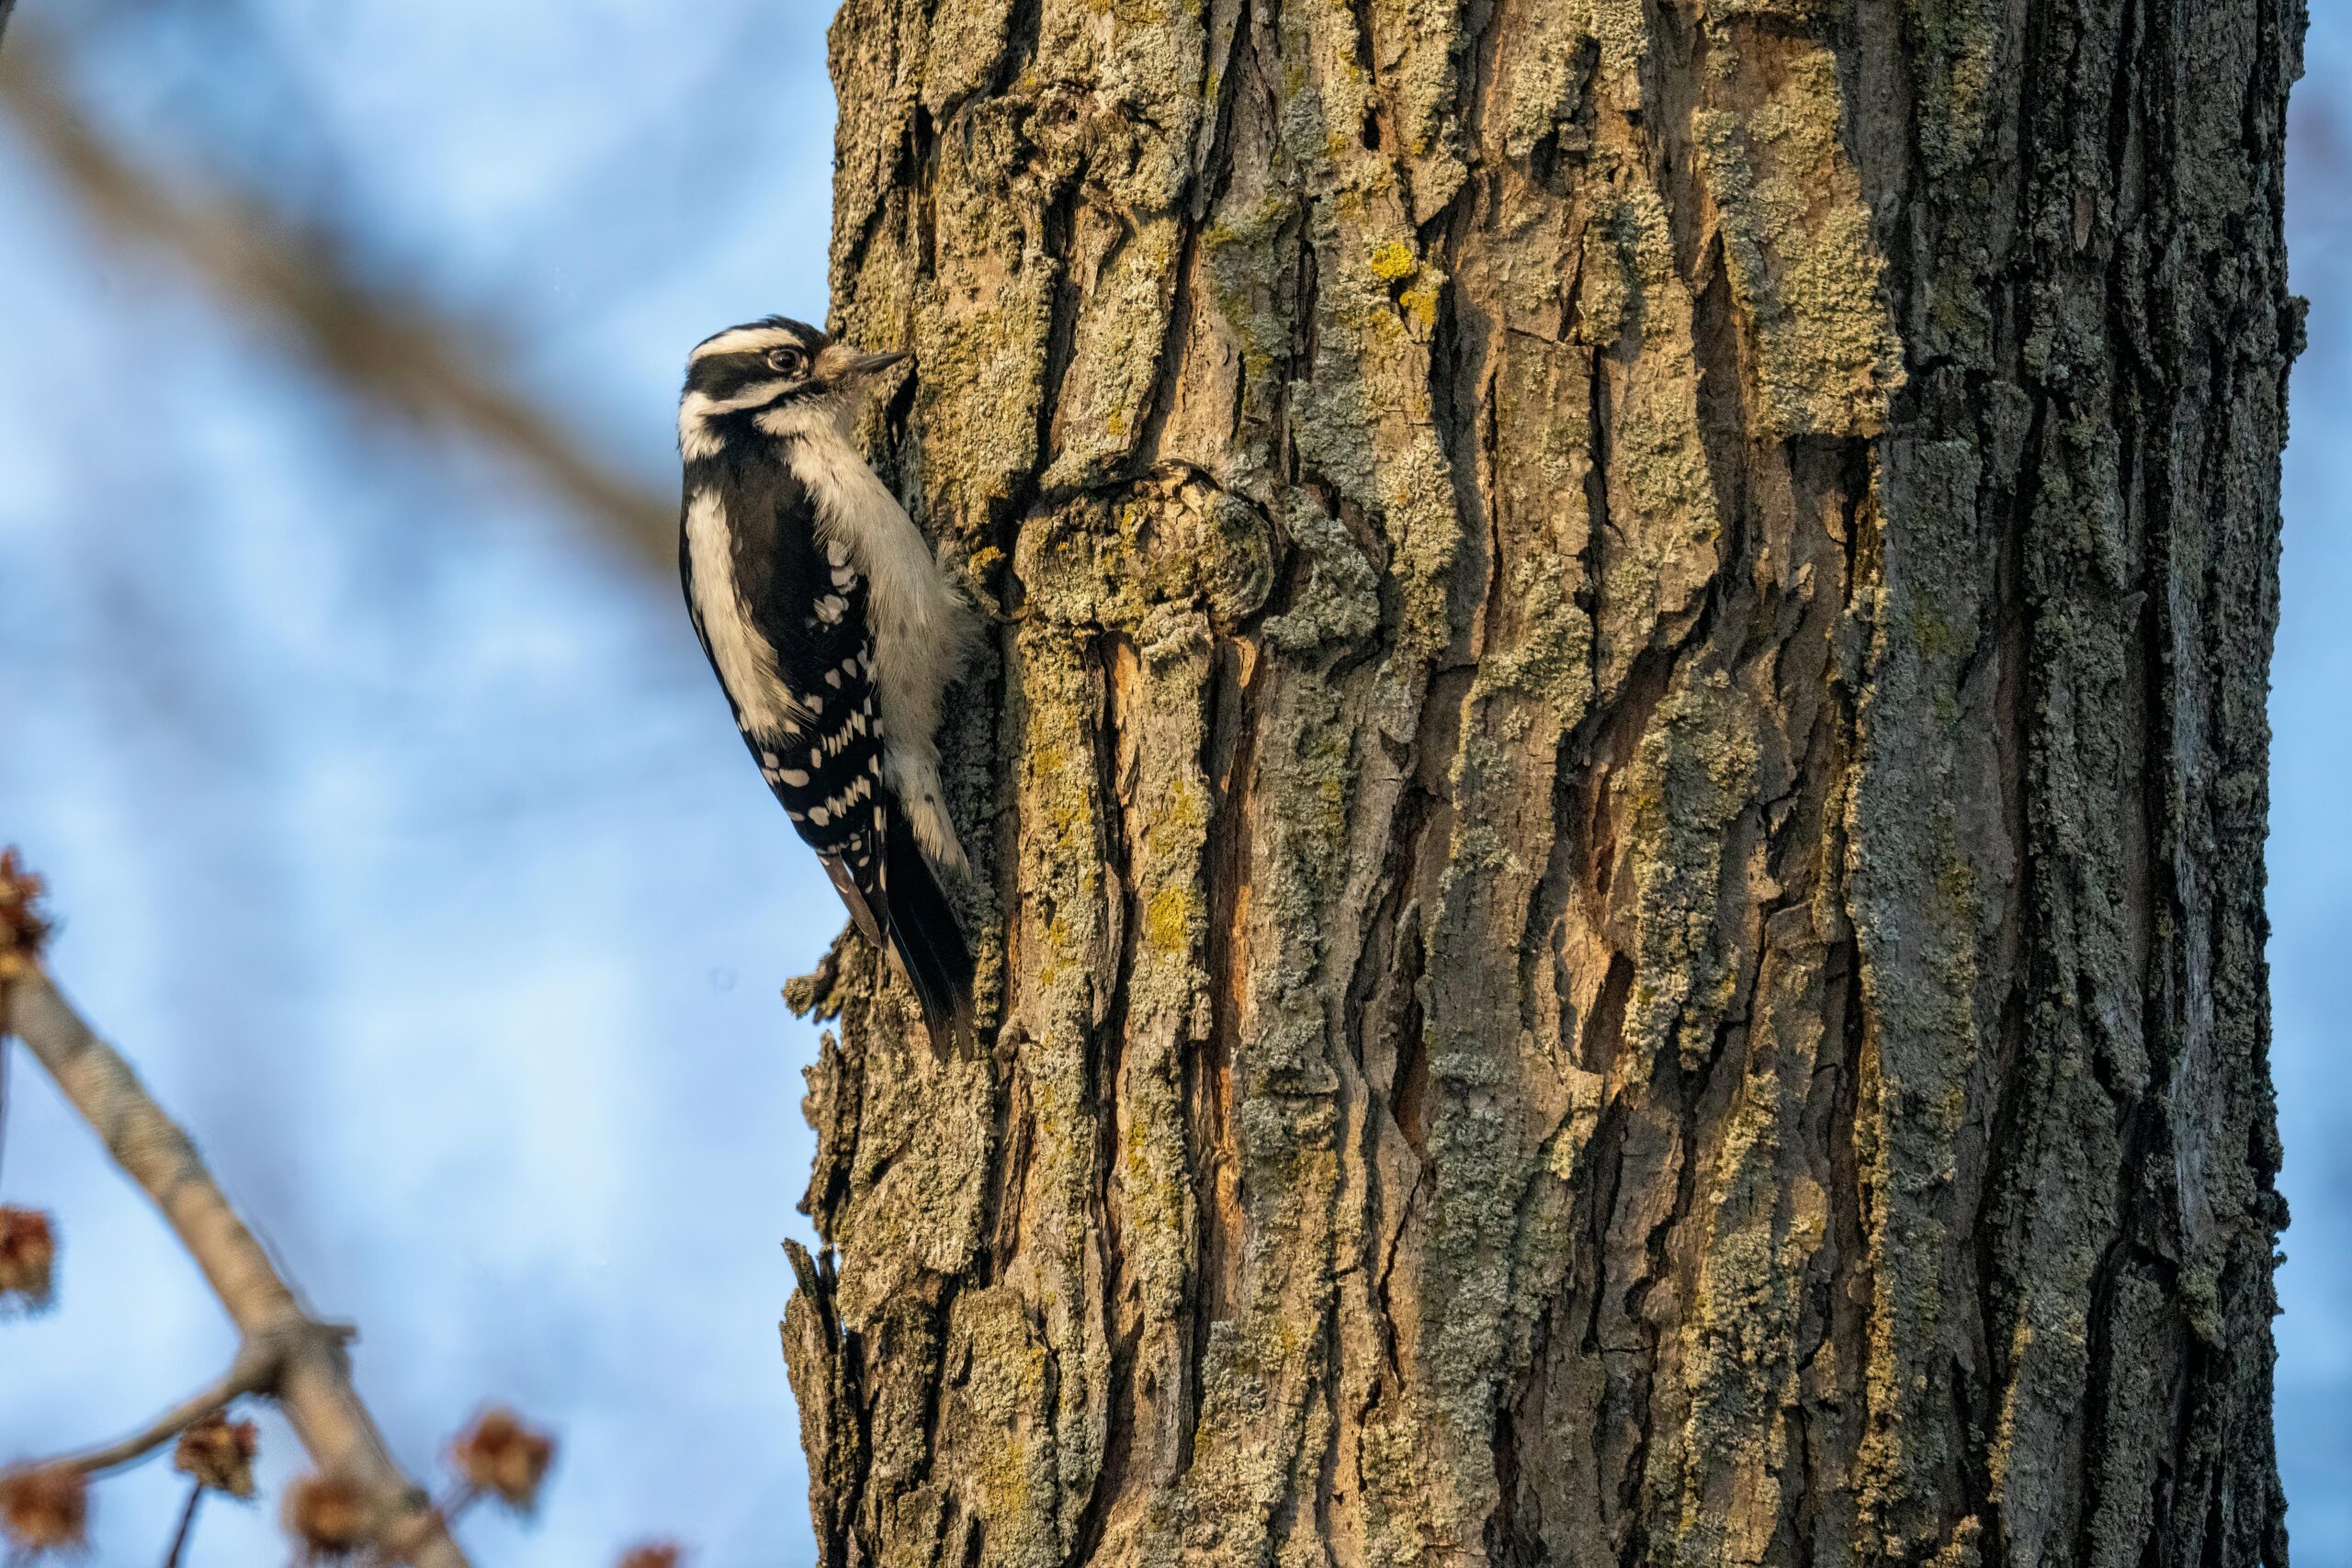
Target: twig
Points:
(260, 1365)
(250, 1373)
(398, 352)
(187, 1523)
(311, 1377)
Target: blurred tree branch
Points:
(285, 1352)
(395, 351)
(357, 1506)
(255, 1371)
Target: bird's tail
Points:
(923, 931)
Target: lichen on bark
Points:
(1618, 807)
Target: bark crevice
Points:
(1623, 911)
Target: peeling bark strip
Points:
(1621, 829)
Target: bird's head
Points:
(772, 372)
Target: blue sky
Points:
(403, 841)
(2310, 842)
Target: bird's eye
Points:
(788, 361)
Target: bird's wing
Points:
(809, 602)
(853, 896)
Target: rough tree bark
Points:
(1622, 797)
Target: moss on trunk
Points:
(1619, 806)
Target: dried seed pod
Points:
(329, 1516)
(218, 1453)
(27, 1256)
(44, 1510)
(23, 927)
(500, 1455)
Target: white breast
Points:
(746, 663)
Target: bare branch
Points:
(249, 1374)
(260, 1365)
(397, 352)
(311, 1373)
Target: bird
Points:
(832, 629)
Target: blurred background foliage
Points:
(398, 832)
(396, 827)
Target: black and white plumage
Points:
(831, 629)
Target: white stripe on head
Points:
(746, 340)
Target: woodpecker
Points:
(831, 629)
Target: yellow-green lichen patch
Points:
(1109, 558)
(996, 1428)
(1116, 348)
(1550, 658)
(1623, 29)
(965, 40)
(1636, 312)
(1337, 598)
(1547, 82)
(1419, 304)
(1916, 901)
(1805, 272)
(913, 1207)
(1761, 1219)
(1392, 260)
(982, 320)
(1362, 417)
(1415, 45)
(1954, 68)
(1693, 776)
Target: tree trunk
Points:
(1621, 802)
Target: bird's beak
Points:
(867, 365)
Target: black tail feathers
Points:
(923, 932)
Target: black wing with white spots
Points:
(826, 766)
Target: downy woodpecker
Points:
(831, 628)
